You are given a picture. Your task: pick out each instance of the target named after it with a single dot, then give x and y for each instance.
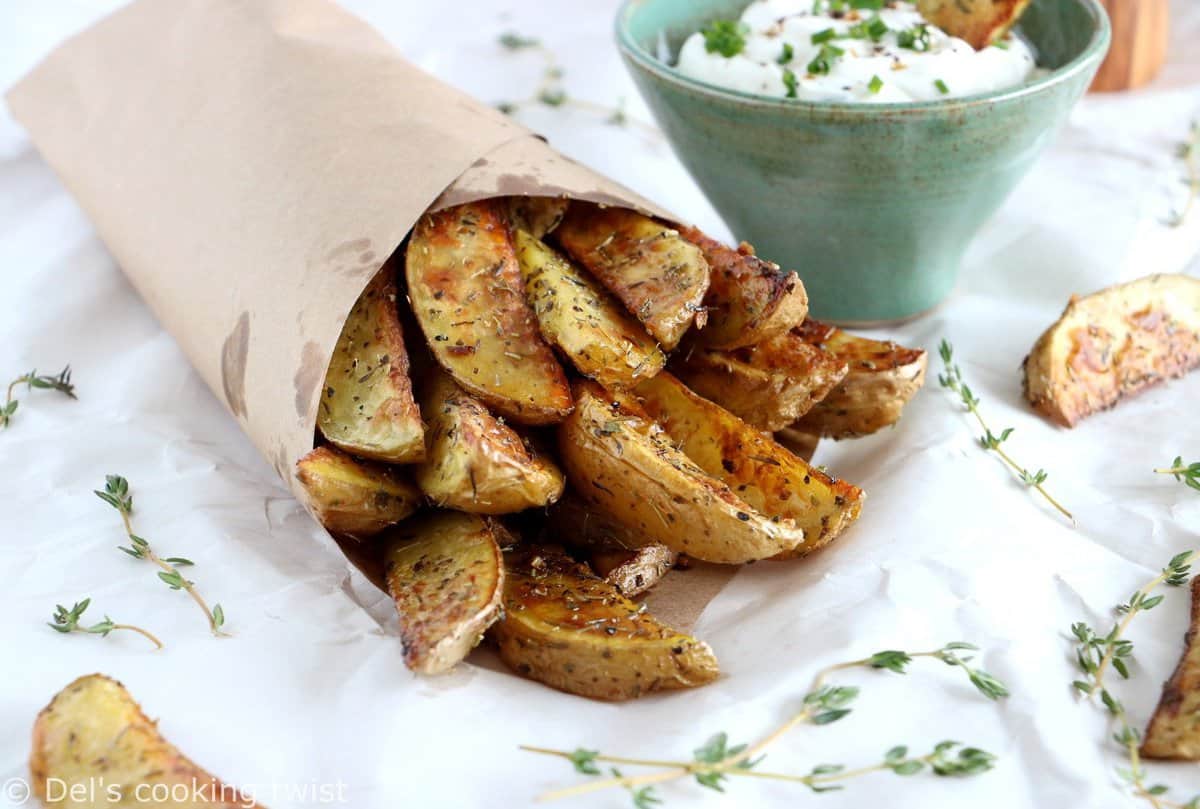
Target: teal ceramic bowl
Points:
(872, 204)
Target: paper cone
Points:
(251, 165)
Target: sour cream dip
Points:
(848, 50)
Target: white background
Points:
(311, 688)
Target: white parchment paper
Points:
(310, 703)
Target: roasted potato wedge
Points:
(467, 294)
(781, 489)
(658, 275)
(979, 22)
(769, 385)
(445, 572)
(353, 497)
(477, 463)
(632, 572)
(593, 330)
(537, 216)
(368, 408)
(573, 631)
(882, 378)
(749, 300)
(802, 445)
(94, 747)
(1174, 730)
(1113, 344)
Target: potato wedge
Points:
(94, 747)
(368, 408)
(658, 275)
(632, 572)
(445, 572)
(882, 378)
(979, 22)
(1112, 344)
(749, 300)
(593, 330)
(353, 497)
(537, 216)
(1174, 730)
(565, 627)
(802, 445)
(781, 490)
(467, 294)
(477, 463)
(769, 385)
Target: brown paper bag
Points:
(251, 164)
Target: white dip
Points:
(886, 55)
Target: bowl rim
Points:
(1096, 48)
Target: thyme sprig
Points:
(116, 494)
(1189, 153)
(550, 91)
(716, 760)
(60, 382)
(952, 380)
(67, 621)
(1186, 473)
(1095, 654)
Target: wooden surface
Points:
(1139, 43)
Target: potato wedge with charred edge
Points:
(537, 216)
(367, 406)
(781, 490)
(802, 445)
(565, 627)
(882, 378)
(467, 294)
(979, 22)
(353, 497)
(94, 747)
(593, 330)
(477, 463)
(1174, 730)
(769, 385)
(749, 300)
(445, 573)
(658, 275)
(1113, 344)
(632, 572)
(625, 467)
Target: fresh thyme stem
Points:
(952, 380)
(61, 382)
(147, 634)
(67, 621)
(1189, 153)
(1186, 473)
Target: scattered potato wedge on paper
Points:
(1174, 730)
(1112, 344)
(94, 747)
(660, 277)
(467, 294)
(587, 325)
(353, 497)
(445, 573)
(573, 631)
(477, 463)
(882, 377)
(749, 300)
(979, 22)
(367, 406)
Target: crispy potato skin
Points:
(591, 329)
(1113, 344)
(467, 294)
(1174, 730)
(92, 730)
(567, 628)
(658, 275)
(769, 385)
(537, 216)
(749, 300)
(627, 469)
(632, 572)
(979, 22)
(782, 490)
(445, 573)
(477, 463)
(367, 407)
(353, 497)
(882, 377)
